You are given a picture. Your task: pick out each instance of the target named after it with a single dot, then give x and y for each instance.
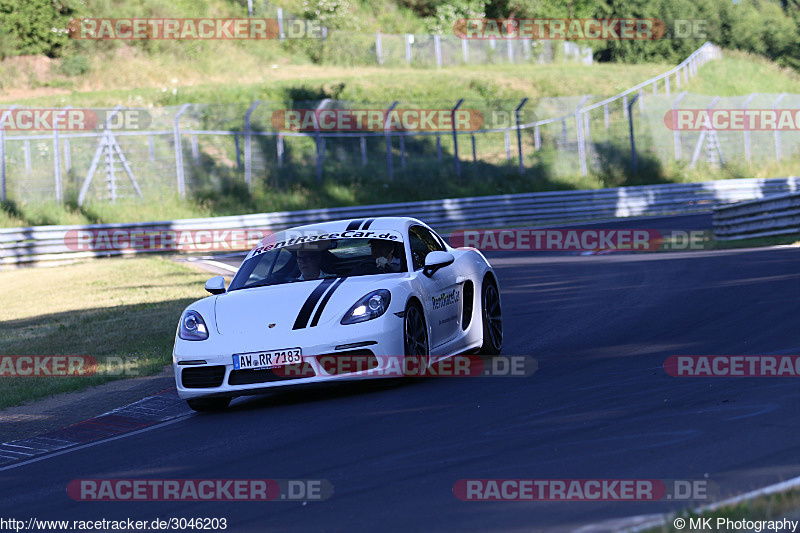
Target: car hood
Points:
(281, 309)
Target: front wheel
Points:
(492, 317)
(415, 335)
(209, 404)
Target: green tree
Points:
(36, 26)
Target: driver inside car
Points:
(310, 264)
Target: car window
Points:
(422, 242)
(337, 257)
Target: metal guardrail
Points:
(777, 215)
(49, 243)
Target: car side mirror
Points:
(216, 285)
(436, 260)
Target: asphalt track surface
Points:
(599, 406)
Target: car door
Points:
(441, 294)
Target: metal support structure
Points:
(634, 160)
(3, 118)
(455, 136)
(778, 154)
(387, 131)
(178, 152)
(676, 134)
(747, 153)
(519, 135)
(711, 134)
(248, 148)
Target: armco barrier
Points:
(776, 215)
(47, 243)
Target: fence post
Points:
(474, 154)
(3, 152)
(250, 7)
(280, 23)
(666, 84)
(402, 151)
(320, 141)
(465, 50)
(378, 48)
(67, 156)
(363, 144)
(455, 136)
(57, 156)
(195, 151)
(439, 147)
(179, 151)
(605, 116)
(537, 138)
(248, 149)
(519, 135)
(641, 99)
(625, 105)
(747, 155)
(510, 51)
(634, 161)
(237, 149)
(151, 154)
(580, 135)
(26, 152)
(437, 50)
(409, 40)
(676, 134)
(387, 131)
(508, 145)
(778, 131)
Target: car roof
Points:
(372, 224)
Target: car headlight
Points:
(370, 306)
(193, 328)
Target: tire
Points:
(415, 340)
(209, 404)
(492, 316)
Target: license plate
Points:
(271, 359)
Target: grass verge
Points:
(116, 308)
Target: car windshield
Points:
(320, 259)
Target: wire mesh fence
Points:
(208, 149)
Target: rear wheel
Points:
(492, 317)
(209, 404)
(415, 334)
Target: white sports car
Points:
(332, 301)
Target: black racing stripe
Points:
(355, 224)
(311, 302)
(367, 224)
(324, 302)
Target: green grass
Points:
(126, 308)
(756, 242)
(768, 507)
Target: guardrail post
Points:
(3, 151)
(387, 131)
(777, 131)
(634, 161)
(676, 134)
(747, 155)
(519, 135)
(248, 148)
(179, 151)
(455, 136)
